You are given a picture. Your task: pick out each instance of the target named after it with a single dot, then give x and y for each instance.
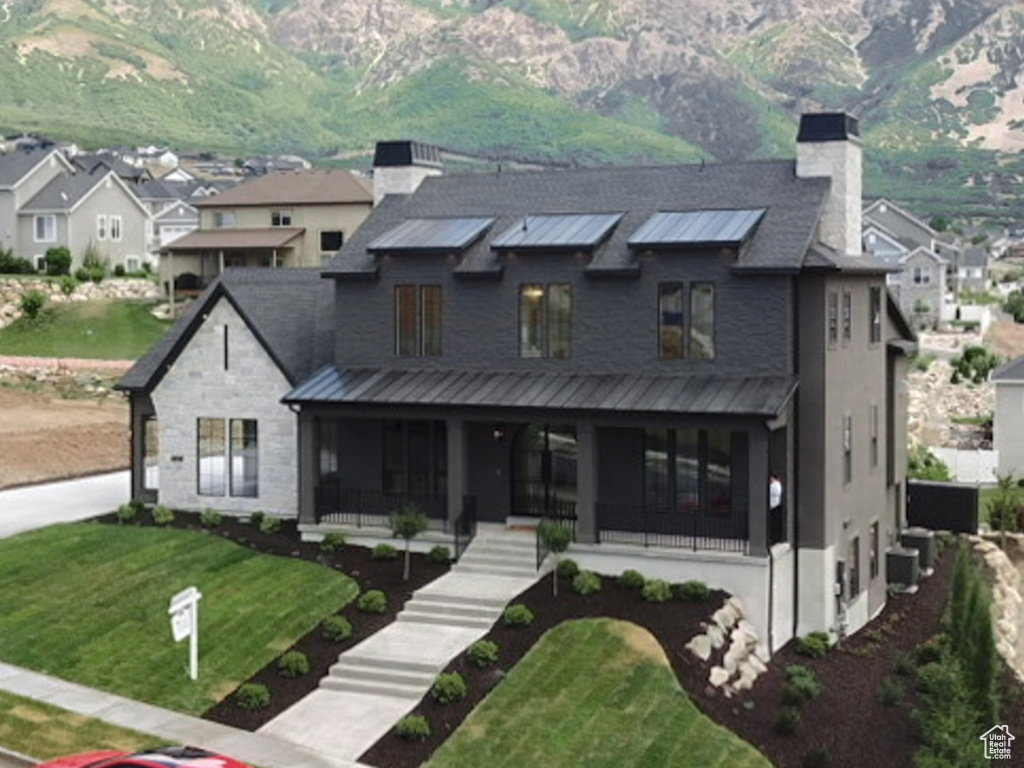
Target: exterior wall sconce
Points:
(499, 433)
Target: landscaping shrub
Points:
(270, 524)
(126, 513)
(922, 464)
(694, 591)
(631, 579)
(586, 583)
(903, 664)
(517, 615)
(93, 266)
(928, 652)
(656, 591)
(413, 728)
(802, 686)
(336, 628)
(567, 568)
(332, 542)
(118, 270)
(15, 265)
(384, 552)
(815, 645)
(68, 285)
(440, 555)
(555, 538)
(32, 303)
(372, 601)
(890, 691)
(162, 515)
(407, 523)
(252, 696)
(138, 505)
(818, 757)
(483, 653)
(293, 664)
(787, 720)
(256, 519)
(211, 518)
(57, 261)
(448, 687)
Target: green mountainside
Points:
(550, 81)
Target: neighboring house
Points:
(127, 172)
(632, 349)
(84, 211)
(23, 173)
(172, 210)
(1008, 417)
(264, 164)
(905, 225)
(287, 219)
(972, 274)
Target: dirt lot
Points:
(1006, 338)
(59, 423)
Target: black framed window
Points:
(670, 321)
(210, 452)
(874, 544)
(415, 458)
(847, 450)
(227, 457)
(702, 321)
(244, 458)
(833, 318)
(280, 218)
(150, 453)
(545, 320)
(331, 240)
(847, 317)
(853, 566)
(418, 320)
(875, 314)
(690, 470)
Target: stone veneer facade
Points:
(250, 386)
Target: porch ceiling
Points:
(647, 393)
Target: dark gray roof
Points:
(289, 310)
(696, 228)
(90, 163)
(432, 234)
(1012, 370)
(821, 258)
(64, 192)
(792, 206)
(648, 393)
(974, 257)
(16, 163)
(562, 230)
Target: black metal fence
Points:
(539, 505)
(361, 508)
(942, 506)
(680, 527)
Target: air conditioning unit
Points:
(901, 567)
(923, 541)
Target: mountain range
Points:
(936, 83)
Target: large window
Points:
(670, 321)
(150, 453)
(545, 320)
(227, 457)
(690, 470)
(415, 458)
(45, 228)
(418, 320)
(875, 300)
(674, 343)
(702, 321)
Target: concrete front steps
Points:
(452, 611)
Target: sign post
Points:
(184, 613)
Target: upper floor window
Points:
(223, 219)
(115, 228)
(875, 312)
(702, 321)
(331, 240)
(280, 218)
(874, 434)
(922, 275)
(847, 449)
(45, 228)
(418, 320)
(674, 343)
(833, 318)
(670, 321)
(847, 317)
(101, 227)
(545, 320)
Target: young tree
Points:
(408, 523)
(555, 538)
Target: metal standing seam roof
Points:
(648, 393)
(720, 227)
(570, 230)
(448, 234)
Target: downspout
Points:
(794, 495)
(771, 564)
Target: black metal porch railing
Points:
(361, 508)
(566, 521)
(464, 526)
(679, 527)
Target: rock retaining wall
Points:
(1007, 603)
(12, 289)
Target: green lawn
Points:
(987, 493)
(88, 603)
(43, 731)
(106, 330)
(593, 693)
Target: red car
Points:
(160, 757)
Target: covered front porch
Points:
(683, 481)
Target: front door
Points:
(544, 470)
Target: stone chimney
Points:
(828, 144)
(399, 167)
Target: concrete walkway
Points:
(375, 683)
(37, 506)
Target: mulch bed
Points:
(353, 561)
(847, 719)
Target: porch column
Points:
(307, 450)
(757, 477)
(457, 474)
(586, 482)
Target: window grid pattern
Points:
(227, 457)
